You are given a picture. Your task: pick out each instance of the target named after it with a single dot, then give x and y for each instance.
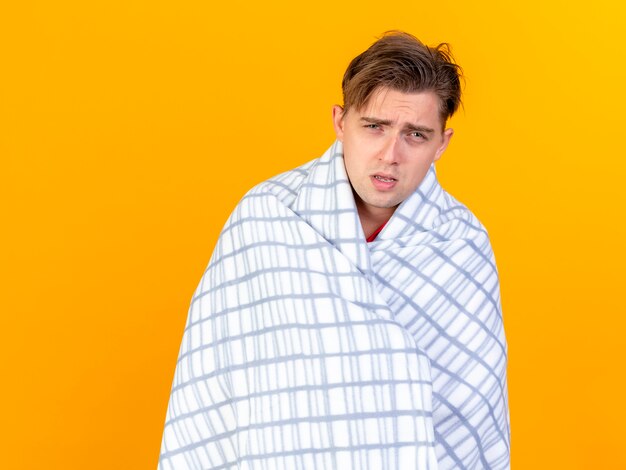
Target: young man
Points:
(350, 315)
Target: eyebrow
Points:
(407, 127)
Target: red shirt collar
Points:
(373, 236)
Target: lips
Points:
(384, 179)
(383, 182)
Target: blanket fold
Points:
(307, 347)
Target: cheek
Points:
(418, 175)
(351, 157)
(352, 168)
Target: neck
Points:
(372, 217)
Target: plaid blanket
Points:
(308, 348)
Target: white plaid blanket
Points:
(308, 348)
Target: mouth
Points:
(385, 179)
(383, 182)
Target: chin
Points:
(385, 204)
(381, 201)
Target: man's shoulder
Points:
(460, 218)
(283, 187)
(455, 209)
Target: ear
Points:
(447, 135)
(338, 121)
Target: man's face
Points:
(389, 146)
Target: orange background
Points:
(130, 129)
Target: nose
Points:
(390, 152)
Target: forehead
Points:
(391, 104)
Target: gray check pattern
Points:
(308, 348)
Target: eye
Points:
(372, 126)
(417, 136)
